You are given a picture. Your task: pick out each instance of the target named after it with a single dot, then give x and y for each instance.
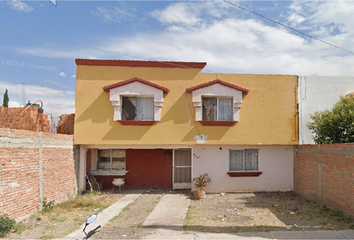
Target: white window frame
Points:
(110, 160)
(135, 89)
(217, 91)
(217, 104)
(258, 159)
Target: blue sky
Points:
(227, 38)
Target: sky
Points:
(39, 41)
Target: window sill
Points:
(217, 123)
(102, 172)
(244, 174)
(137, 123)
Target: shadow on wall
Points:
(212, 135)
(96, 112)
(120, 132)
(180, 112)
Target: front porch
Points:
(140, 168)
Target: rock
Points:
(228, 210)
(220, 216)
(223, 220)
(292, 213)
(222, 194)
(288, 228)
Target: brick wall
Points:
(325, 173)
(34, 165)
(30, 120)
(66, 124)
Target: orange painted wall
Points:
(268, 114)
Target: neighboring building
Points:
(160, 124)
(318, 94)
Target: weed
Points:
(47, 206)
(6, 224)
(149, 210)
(127, 208)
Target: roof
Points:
(134, 63)
(118, 84)
(243, 90)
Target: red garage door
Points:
(148, 168)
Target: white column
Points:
(82, 169)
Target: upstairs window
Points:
(138, 108)
(111, 159)
(217, 109)
(245, 160)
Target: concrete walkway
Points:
(106, 215)
(168, 217)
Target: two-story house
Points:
(160, 124)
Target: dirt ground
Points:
(64, 218)
(217, 213)
(259, 212)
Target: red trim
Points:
(203, 85)
(134, 63)
(136, 123)
(118, 84)
(244, 174)
(217, 123)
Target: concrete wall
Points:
(325, 173)
(267, 116)
(275, 163)
(32, 166)
(30, 120)
(317, 94)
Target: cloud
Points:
(19, 5)
(114, 14)
(53, 82)
(74, 76)
(231, 42)
(179, 13)
(62, 74)
(55, 101)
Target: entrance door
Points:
(182, 169)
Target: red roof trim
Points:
(134, 63)
(118, 84)
(191, 89)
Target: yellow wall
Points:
(267, 115)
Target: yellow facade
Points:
(268, 114)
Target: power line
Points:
(293, 29)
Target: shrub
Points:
(6, 224)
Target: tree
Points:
(5, 101)
(335, 125)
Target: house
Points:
(160, 124)
(318, 93)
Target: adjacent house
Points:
(317, 93)
(160, 124)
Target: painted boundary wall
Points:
(325, 173)
(33, 166)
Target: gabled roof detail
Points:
(243, 90)
(134, 63)
(118, 84)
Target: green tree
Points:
(5, 101)
(335, 125)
